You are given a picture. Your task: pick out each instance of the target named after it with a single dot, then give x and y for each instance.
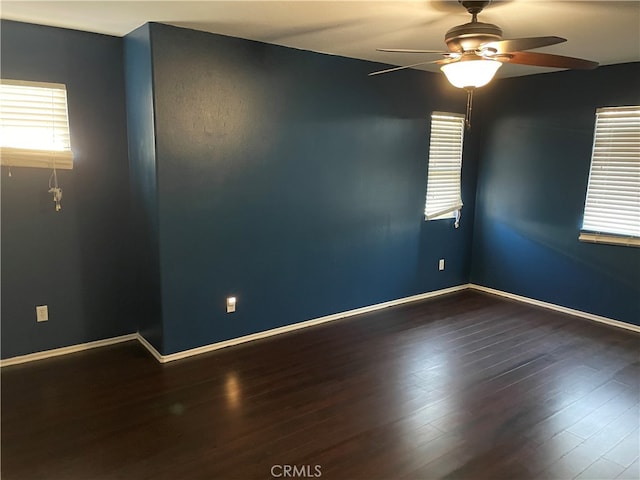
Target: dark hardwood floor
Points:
(467, 386)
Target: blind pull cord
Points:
(467, 118)
(55, 189)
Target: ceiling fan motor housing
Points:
(474, 7)
(470, 36)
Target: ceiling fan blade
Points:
(548, 60)
(395, 69)
(407, 50)
(519, 44)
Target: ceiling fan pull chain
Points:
(467, 118)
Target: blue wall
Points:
(538, 133)
(293, 181)
(76, 260)
(145, 268)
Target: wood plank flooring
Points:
(464, 386)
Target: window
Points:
(445, 163)
(34, 125)
(612, 206)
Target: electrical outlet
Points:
(42, 313)
(441, 264)
(231, 304)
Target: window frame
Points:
(611, 156)
(445, 160)
(38, 157)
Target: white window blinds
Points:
(34, 125)
(445, 163)
(612, 206)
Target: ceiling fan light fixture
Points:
(471, 73)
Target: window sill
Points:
(609, 239)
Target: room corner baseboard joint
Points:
(308, 323)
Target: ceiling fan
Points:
(477, 50)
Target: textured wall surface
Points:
(293, 181)
(76, 260)
(531, 189)
(145, 267)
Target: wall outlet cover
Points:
(231, 304)
(42, 313)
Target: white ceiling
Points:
(605, 31)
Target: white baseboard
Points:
(308, 323)
(31, 357)
(146, 344)
(296, 326)
(557, 308)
